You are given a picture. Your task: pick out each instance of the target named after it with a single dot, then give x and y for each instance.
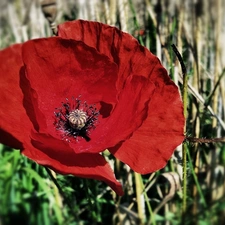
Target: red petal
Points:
(127, 116)
(14, 124)
(54, 80)
(58, 69)
(61, 158)
(154, 142)
(120, 47)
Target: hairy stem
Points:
(184, 146)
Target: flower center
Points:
(75, 119)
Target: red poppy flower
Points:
(68, 98)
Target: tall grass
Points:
(28, 192)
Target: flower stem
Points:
(184, 146)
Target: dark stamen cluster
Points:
(75, 119)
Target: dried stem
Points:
(49, 9)
(139, 193)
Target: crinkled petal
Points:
(58, 69)
(120, 47)
(14, 124)
(154, 142)
(56, 154)
(16, 127)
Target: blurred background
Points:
(28, 194)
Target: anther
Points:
(75, 119)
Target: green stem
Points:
(209, 98)
(152, 215)
(184, 179)
(196, 179)
(184, 147)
